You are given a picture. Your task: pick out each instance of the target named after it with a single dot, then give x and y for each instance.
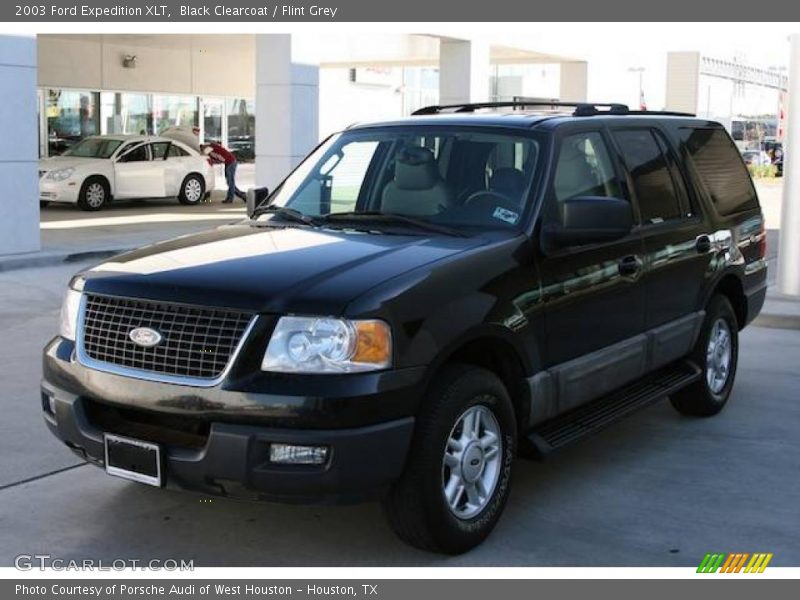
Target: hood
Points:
(64, 162)
(269, 269)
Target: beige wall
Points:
(202, 65)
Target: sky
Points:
(613, 48)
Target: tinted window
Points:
(159, 150)
(652, 180)
(138, 154)
(584, 168)
(720, 170)
(177, 151)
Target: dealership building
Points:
(269, 97)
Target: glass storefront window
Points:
(242, 128)
(212, 119)
(71, 116)
(125, 113)
(174, 111)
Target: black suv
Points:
(417, 303)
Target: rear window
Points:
(720, 169)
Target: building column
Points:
(683, 82)
(287, 104)
(789, 250)
(463, 71)
(574, 81)
(19, 156)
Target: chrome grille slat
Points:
(197, 342)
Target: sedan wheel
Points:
(94, 194)
(192, 190)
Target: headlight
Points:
(60, 174)
(325, 345)
(69, 314)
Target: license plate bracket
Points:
(133, 459)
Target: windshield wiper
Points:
(289, 214)
(392, 218)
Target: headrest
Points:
(415, 169)
(508, 181)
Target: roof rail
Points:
(581, 109)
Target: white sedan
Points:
(99, 168)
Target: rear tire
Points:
(193, 190)
(95, 192)
(458, 473)
(716, 353)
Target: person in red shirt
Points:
(220, 155)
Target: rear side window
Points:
(720, 169)
(176, 151)
(652, 180)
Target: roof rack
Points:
(581, 109)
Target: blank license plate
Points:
(133, 459)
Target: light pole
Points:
(640, 71)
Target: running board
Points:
(596, 415)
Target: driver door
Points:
(593, 294)
(137, 175)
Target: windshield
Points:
(454, 177)
(94, 147)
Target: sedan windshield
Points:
(449, 177)
(94, 147)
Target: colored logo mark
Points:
(735, 562)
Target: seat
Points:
(509, 182)
(417, 187)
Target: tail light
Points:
(762, 240)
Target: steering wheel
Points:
(488, 196)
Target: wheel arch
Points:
(730, 285)
(495, 352)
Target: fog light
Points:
(48, 403)
(289, 454)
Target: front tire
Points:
(193, 190)
(95, 192)
(716, 353)
(458, 474)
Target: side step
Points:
(595, 416)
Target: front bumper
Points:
(368, 434)
(59, 191)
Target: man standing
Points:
(219, 154)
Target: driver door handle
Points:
(702, 244)
(629, 265)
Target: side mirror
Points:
(254, 197)
(590, 220)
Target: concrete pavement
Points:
(655, 490)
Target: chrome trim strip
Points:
(106, 367)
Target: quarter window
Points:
(720, 169)
(652, 180)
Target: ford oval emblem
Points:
(145, 337)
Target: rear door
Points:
(137, 175)
(594, 300)
(676, 240)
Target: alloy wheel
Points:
(472, 462)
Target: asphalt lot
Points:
(655, 490)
